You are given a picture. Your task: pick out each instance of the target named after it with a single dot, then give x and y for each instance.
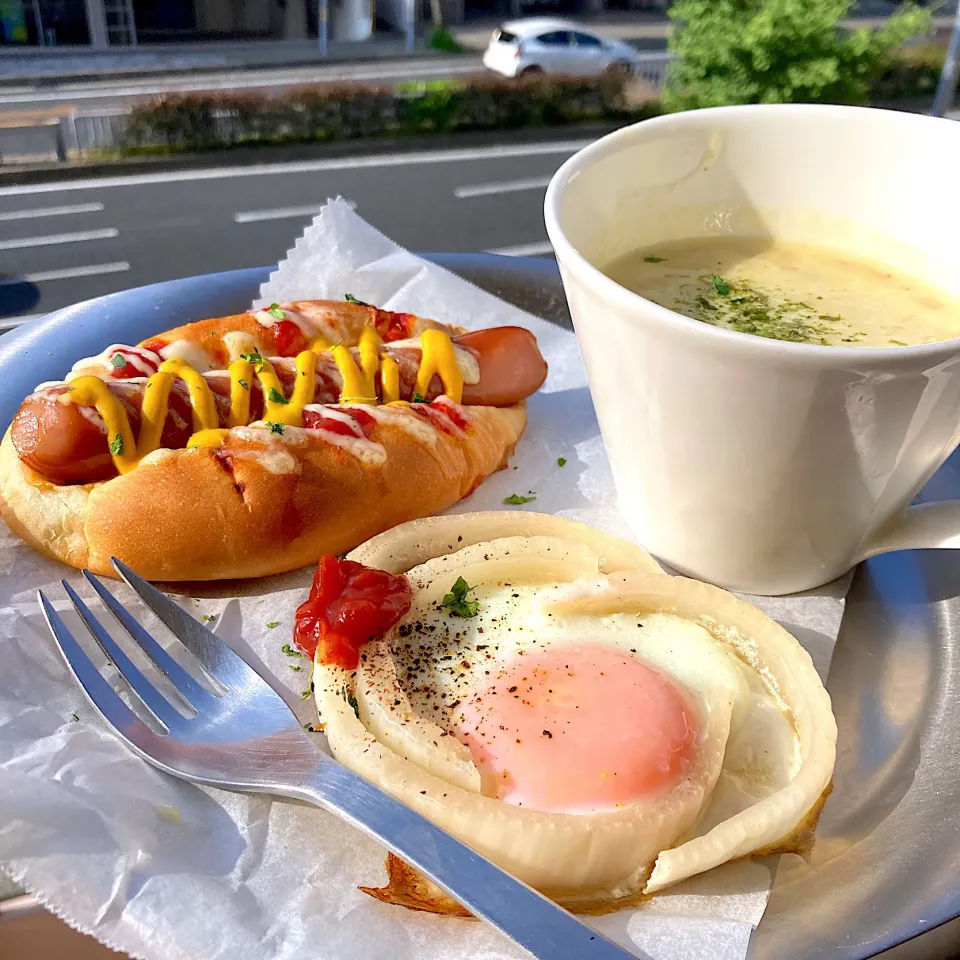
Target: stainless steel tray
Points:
(886, 867)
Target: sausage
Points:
(67, 443)
(511, 367)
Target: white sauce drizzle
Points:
(277, 462)
(198, 358)
(145, 361)
(322, 321)
(306, 327)
(444, 401)
(266, 319)
(333, 413)
(273, 459)
(91, 416)
(238, 342)
(404, 419)
(366, 451)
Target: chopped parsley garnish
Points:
(456, 600)
(305, 693)
(899, 343)
(254, 357)
(350, 699)
(741, 306)
(516, 500)
(273, 624)
(295, 667)
(561, 461)
(310, 728)
(652, 259)
(275, 312)
(116, 446)
(275, 396)
(207, 617)
(419, 398)
(118, 360)
(274, 427)
(244, 384)
(73, 716)
(720, 285)
(350, 298)
(289, 651)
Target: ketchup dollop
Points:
(366, 423)
(289, 337)
(394, 326)
(349, 604)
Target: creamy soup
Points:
(789, 291)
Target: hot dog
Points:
(306, 440)
(283, 330)
(68, 444)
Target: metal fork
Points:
(248, 739)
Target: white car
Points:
(548, 45)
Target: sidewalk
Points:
(77, 63)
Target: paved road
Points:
(65, 242)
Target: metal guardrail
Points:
(89, 131)
(81, 133)
(652, 67)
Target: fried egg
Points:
(596, 727)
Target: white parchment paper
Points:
(166, 870)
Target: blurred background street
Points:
(75, 236)
(64, 242)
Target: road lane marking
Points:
(501, 151)
(524, 250)
(505, 186)
(107, 233)
(52, 211)
(233, 82)
(68, 273)
(280, 213)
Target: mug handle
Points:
(925, 526)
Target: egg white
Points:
(754, 776)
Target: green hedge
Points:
(348, 111)
(332, 112)
(909, 74)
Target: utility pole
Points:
(410, 22)
(948, 76)
(322, 14)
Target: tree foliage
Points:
(777, 51)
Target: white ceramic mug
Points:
(760, 465)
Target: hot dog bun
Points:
(259, 505)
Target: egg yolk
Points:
(576, 728)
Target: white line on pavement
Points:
(524, 250)
(108, 233)
(51, 211)
(68, 273)
(280, 213)
(307, 166)
(505, 186)
(236, 82)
